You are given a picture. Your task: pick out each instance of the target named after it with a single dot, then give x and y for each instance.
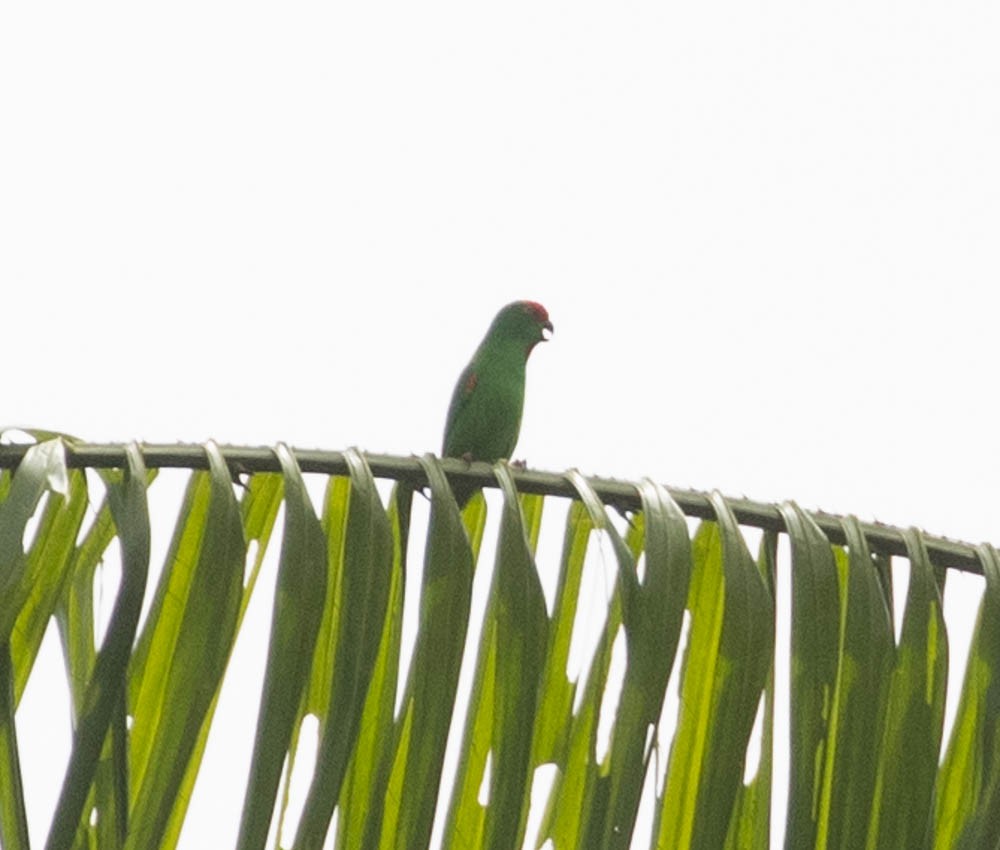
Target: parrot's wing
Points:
(464, 392)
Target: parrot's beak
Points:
(547, 326)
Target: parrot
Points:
(484, 417)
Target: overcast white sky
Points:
(766, 234)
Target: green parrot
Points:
(484, 417)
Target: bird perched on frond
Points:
(484, 418)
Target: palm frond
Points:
(606, 758)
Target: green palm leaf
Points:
(626, 769)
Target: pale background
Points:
(766, 234)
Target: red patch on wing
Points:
(470, 382)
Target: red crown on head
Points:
(537, 310)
